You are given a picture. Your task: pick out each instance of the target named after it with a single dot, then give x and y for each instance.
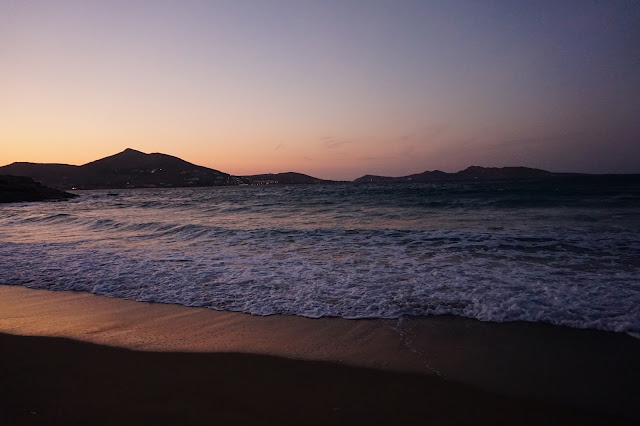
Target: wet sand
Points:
(268, 368)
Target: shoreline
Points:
(585, 369)
(160, 327)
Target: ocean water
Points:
(563, 251)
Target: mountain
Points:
(19, 188)
(289, 178)
(127, 169)
(135, 169)
(470, 173)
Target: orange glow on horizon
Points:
(334, 90)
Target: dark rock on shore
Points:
(18, 188)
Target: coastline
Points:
(586, 370)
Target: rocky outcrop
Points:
(15, 189)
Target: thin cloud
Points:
(525, 141)
(434, 131)
(376, 158)
(409, 149)
(334, 143)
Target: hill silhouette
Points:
(288, 178)
(468, 174)
(135, 169)
(127, 169)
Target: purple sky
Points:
(335, 89)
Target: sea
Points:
(562, 251)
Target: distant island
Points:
(289, 178)
(470, 173)
(14, 189)
(135, 169)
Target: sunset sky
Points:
(331, 88)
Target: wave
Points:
(344, 251)
(349, 274)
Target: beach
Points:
(320, 213)
(72, 357)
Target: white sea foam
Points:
(211, 249)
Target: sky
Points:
(331, 88)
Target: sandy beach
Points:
(320, 213)
(112, 361)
